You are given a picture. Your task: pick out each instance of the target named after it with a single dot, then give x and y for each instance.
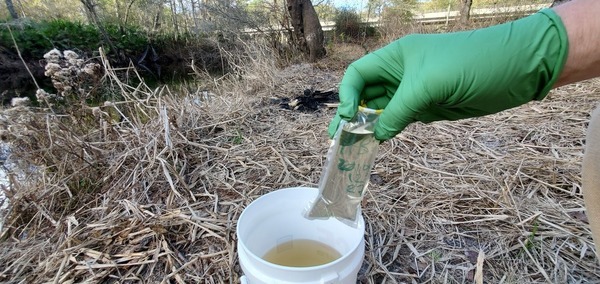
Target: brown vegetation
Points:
(149, 189)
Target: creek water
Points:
(4, 201)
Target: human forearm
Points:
(580, 18)
(591, 177)
(581, 21)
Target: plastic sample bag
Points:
(347, 169)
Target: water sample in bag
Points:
(347, 169)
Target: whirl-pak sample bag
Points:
(347, 169)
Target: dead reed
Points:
(148, 189)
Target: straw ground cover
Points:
(148, 189)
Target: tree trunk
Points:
(156, 21)
(127, 12)
(308, 33)
(183, 14)
(119, 17)
(174, 17)
(465, 12)
(90, 8)
(195, 17)
(11, 9)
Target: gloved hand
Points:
(431, 77)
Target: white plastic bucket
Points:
(277, 217)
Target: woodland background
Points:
(167, 39)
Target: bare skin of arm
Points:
(582, 23)
(581, 20)
(591, 177)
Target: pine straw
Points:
(149, 190)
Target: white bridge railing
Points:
(441, 18)
(438, 18)
(481, 13)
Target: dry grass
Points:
(507, 185)
(148, 190)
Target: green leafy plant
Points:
(348, 24)
(529, 243)
(435, 255)
(36, 38)
(238, 139)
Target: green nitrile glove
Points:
(430, 77)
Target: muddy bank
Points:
(15, 80)
(157, 64)
(18, 78)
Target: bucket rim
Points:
(361, 223)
